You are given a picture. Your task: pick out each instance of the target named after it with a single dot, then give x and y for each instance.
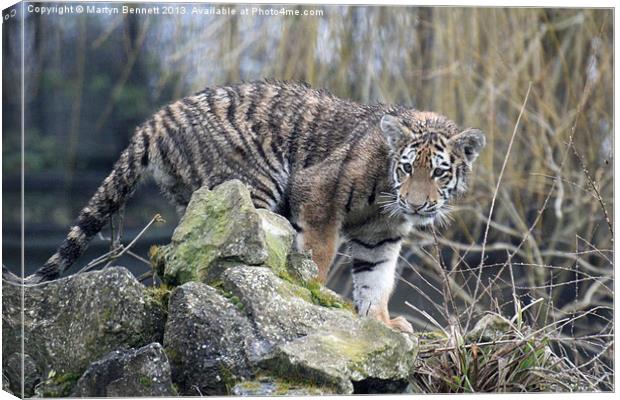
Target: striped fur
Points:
(336, 169)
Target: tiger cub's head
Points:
(432, 159)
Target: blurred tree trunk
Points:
(424, 56)
(231, 52)
(76, 110)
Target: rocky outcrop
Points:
(258, 323)
(245, 315)
(71, 322)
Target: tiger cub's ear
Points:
(468, 144)
(393, 130)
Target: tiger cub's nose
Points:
(417, 200)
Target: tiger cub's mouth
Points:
(417, 219)
(440, 215)
(426, 214)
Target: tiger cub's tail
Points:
(111, 195)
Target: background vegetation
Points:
(532, 241)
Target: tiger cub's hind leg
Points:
(374, 270)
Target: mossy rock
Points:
(221, 228)
(209, 340)
(338, 357)
(56, 385)
(301, 268)
(74, 321)
(282, 310)
(490, 327)
(128, 373)
(270, 386)
(219, 336)
(159, 296)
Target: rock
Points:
(249, 318)
(13, 373)
(490, 327)
(282, 310)
(326, 347)
(208, 340)
(56, 385)
(365, 356)
(128, 373)
(74, 321)
(220, 228)
(279, 238)
(269, 386)
(218, 338)
(302, 268)
(6, 386)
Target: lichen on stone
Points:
(56, 385)
(335, 356)
(263, 385)
(73, 321)
(221, 228)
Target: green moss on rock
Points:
(264, 385)
(337, 357)
(301, 268)
(57, 385)
(322, 296)
(313, 292)
(157, 259)
(145, 381)
(279, 236)
(74, 321)
(220, 229)
(159, 296)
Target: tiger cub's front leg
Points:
(322, 241)
(374, 270)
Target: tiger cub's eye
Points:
(437, 173)
(407, 168)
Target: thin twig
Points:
(499, 181)
(115, 254)
(594, 187)
(445, 281)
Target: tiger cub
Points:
(338, 170)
